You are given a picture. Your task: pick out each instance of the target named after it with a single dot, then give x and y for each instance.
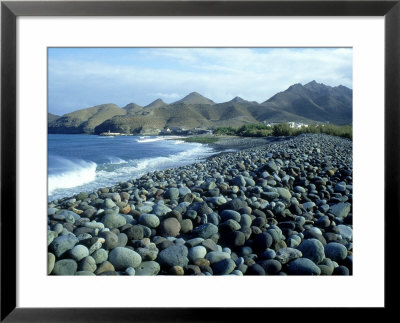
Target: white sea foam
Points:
(144, 139)
(158, 138)
(116, 160)
(85, 176)
(75, 173)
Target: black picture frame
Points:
(10, 10)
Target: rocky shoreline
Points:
(280, 206)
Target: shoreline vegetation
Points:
(261, 130)
(275, 206)
(283, 129)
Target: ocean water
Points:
(83, 163)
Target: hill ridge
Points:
(309, 103)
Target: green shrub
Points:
(283, 129)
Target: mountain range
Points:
(309, 103)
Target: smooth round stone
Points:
(335, 251)
(340, 187)
(122, 258)
(183, 191)
(223, 267)
(316, 230)
(271, 167)
(270, 196)
(111, 240)
(235, 204)
(51, 211)
(299, 189)
(240, 261)
(249, 181)
(237, 273)
(173, 256)
(62, 244)
(341, 270)
(324, 208)
(113, 220)
(161, 210)
(345, 231)
(209, 244)
(51, 235)
(217, 200)
(194, 242)
(292, 242)
(301, 220)
(227, 250)
(348, 262)
(328, 262)
(303, 266)
(197, 252)
(239, 181)
(79, 252)
(146, 208)
(271, 266)
(268, 254)
(170, 227)
(308, 205)
(213, 218)
(93, 225)
(51, 259)
(340, 210)
(256, 270)
(230, 215)
(311, 234)
(229, 225)
(130, 271)
(104, 267)
(312, 249)
(284, 193)
(135, 232)
(149, 220)
(87, 264)
(279, 207)
(148, 268)
(201, 262)
(148, 253)
(205, 231)
(100, 256)
(65, 267)
(263, 241)
(325, 270)
(108, 203)
(245, 220)
(284, 255)
(216, 256)
(58, 228)
(176, 270)
(323, 221)
(129, 219)
(122, 240)
(186, 226)
(172, 193)
(235, 238)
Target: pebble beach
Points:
(274, 206)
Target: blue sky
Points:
(79, 78)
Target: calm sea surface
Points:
(83, 163)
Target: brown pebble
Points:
(103, 267)
(176, 270)
(201, 262)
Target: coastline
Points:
(248, 212)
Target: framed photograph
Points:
(130, 72)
